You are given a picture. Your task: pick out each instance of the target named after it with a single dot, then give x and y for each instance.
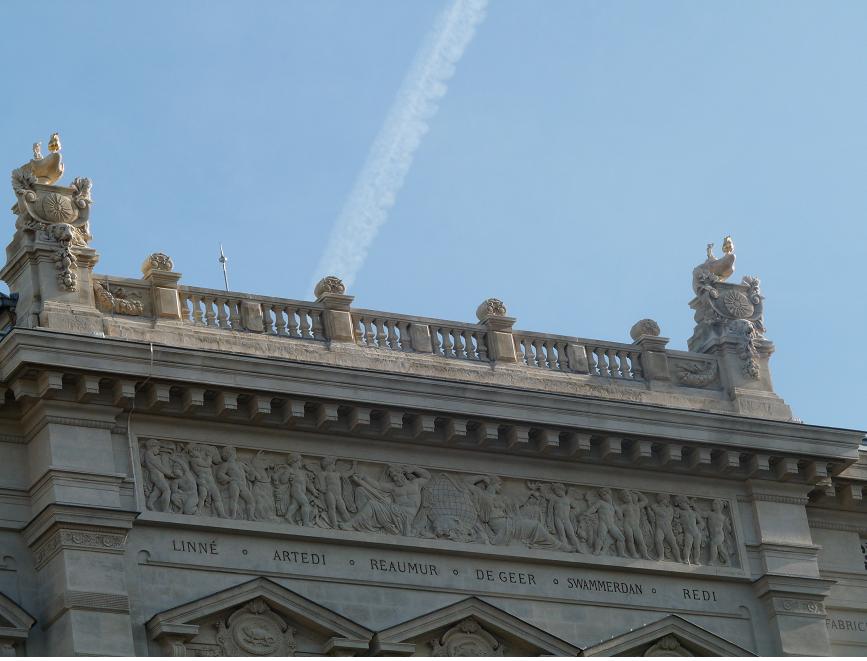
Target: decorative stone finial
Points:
(490, 307)
(158, 261)
(330, 284)
(644, 327)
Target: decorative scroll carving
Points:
(255, 630)
(117, 301)
(410, 501)
(467, 638)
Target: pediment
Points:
(670, 636)
(257, 618)
(471, 627)
(15, 625)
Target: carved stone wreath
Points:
(491, 307)
(330, 284)
(160, 261)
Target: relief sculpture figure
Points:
(390, 505)
(329, 482)
(689, 520)
(663, 514)
(232, 473)
(202, 460)
(718, 525)
(561, 505)
(157, 475)
(291, 488)
(185, 491)
(505, 522)
(602, 505)
(632, 509)
(260, 486)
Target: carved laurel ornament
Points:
(117, 301)
(330, 284)
(288, 489)
(467, 638)
(644, 327)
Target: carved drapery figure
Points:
(200, 479)
(389, 505)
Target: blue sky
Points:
(584, 155)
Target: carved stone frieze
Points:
(198, 479)
(695, 374)
(75, 538)
(467, 638)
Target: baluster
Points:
(592, 364)
(447, 343)
(235, 314)
(459, 345)
(222, 318)
(550, 359)
(481, 346)
(519, 349)
(281, 320)
(470, 345)
(613, 365)
(391, 337)
(267, 320)
(623, 361)
(197, 311)
(603, 361)
(562, 357)
(291, 322)
(635, 362)
(435, 339)
(304, 332)
(381, 335)
(187, 308)
(316, 328)
(538, 353)
(209, 311)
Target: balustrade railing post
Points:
(653, 357)
(158, 270)
(336, 318)
(500, 342)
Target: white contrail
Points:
(390, 157)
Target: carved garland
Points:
(197, 479)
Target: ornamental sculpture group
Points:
(410, 501)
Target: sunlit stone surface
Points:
(197, 472)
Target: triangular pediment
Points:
(670, 636)
(15, 622)
(287, 621)
(471, 627)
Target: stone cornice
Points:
(73, 518)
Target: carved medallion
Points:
(467, 638)
(738, 304)
(57, 208)
(256, 630)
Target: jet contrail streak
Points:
(391, 155)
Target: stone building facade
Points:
(188, 471)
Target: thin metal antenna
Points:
(223, 260)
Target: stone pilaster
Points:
(790, 588)
(78, 555)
